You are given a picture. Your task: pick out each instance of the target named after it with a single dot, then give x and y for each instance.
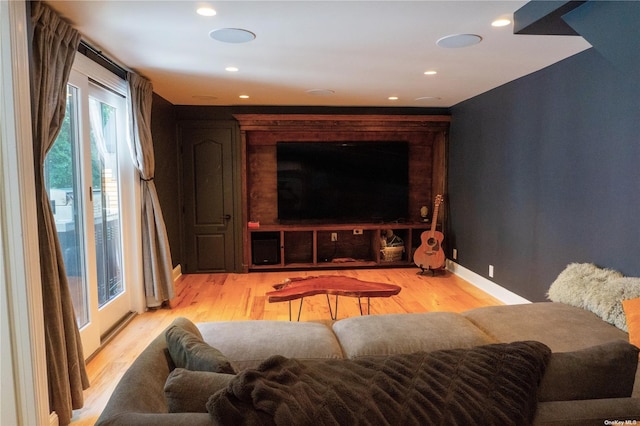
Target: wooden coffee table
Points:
(299, 288)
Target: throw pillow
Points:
(573, 283)
(191, 352)
(188, 391)
(632, 313)
(605, 300)
(602, 371)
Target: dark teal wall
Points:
(545, 171)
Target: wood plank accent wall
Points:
(426, 134)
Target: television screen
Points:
(343, 181)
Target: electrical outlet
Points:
(455, 254)
(491, 271)
(334, 236)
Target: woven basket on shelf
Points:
(391, 254)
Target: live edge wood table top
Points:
(299, 288)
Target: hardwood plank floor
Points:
(233, 297)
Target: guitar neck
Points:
(434, 220)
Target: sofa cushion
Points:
(401, 333)
(603, 371)
(562, 327)
(248, 343)
(189, 351)
(188, 391)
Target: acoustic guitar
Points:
(429, 254)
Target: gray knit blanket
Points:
(489, 385)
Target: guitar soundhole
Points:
(431, 242)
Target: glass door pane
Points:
(62, 175)
(106, 200)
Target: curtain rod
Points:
(98, 57)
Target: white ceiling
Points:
(364, 51)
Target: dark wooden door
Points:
(210, 206)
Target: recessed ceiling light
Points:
(320, 92)
(393, 98)
(232, 35)
(232, 69)
(244, 96)
(206, 11)
(501, 22)
(430, 72)
(459, 40)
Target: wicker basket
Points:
(392, 254)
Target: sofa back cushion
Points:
(247, 343)
(402, 334)
(562, 327)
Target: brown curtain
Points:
(53, 49)
(156, 255)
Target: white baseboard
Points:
(493, 289)
(177, 272)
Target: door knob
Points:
(227, 217)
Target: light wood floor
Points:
(232, 297)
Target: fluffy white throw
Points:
(598, 290)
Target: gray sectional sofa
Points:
(588, 380)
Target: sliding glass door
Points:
(84, 172)
(62, 173)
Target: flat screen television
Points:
(358, 181)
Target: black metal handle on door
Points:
(227, 217)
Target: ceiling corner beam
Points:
(541, 17)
